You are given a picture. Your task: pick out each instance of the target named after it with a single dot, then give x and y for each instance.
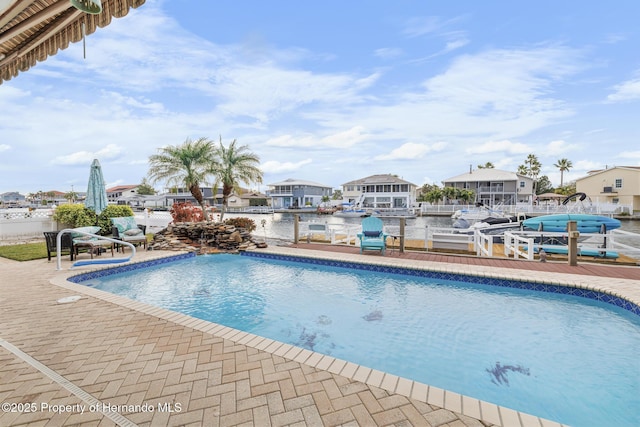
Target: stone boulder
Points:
(204, 237)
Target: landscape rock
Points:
(204, 237)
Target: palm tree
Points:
(234, 165)
(71, 196)
(467, 195)
(487, 165)
(186, 165)
(434, 196)
(563, 165)
(449, 193)
(531, 167)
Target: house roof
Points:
(252, 195)
(121, 188)
(291, 181)
(486, 174)
(33, 30)
(599, 171)
(378, 179)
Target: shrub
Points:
(186, 212)
(111, 211)
(76, 215)
(241, 222)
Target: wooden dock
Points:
(416, 245)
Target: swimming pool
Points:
(558, 356)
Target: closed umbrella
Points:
(96, 193)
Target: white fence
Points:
(25, 224)
(16, 224)
(154, 220)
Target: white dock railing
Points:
(334, 233)
(483, 244)
(622, 241)
(513, 243)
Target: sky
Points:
(333, 91)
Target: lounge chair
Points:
(126, 229)
(91, 244)
(66, 244)
(372, 236)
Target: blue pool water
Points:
(561, 357)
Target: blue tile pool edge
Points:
(508, 283)
(608, 298)
(108, 271)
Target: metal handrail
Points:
(110, 239)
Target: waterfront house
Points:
(297, 193)
(183, 195)
(247, 199)
(619, 185)
(121, 191)
(380, 191)
(494, 186)
(12, 198)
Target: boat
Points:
(586, 223)
(325, 210)
(480, 212)
(349, 211)
(488, 220)
(577, 203)
(394, 213)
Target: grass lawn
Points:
(24, 252)
(31, 251)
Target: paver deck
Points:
(125, 363)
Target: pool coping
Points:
(432, 395)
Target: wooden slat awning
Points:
(33, 30)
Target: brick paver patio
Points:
(126, 366)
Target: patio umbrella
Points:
(96, 193)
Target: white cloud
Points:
(587, 165)
(114, 184)
(506, 163)
(111, 151)
(456, 44)
(630, 155)
(343, 139)
(505, 146)
(388, 52)
(291, 141)
(411, 150)
(274, 166)
(423, 25)
(559, 147)
(626, 91)
(4, 147)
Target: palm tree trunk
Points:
(224, 207)
(197, 194)
(226, 192)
